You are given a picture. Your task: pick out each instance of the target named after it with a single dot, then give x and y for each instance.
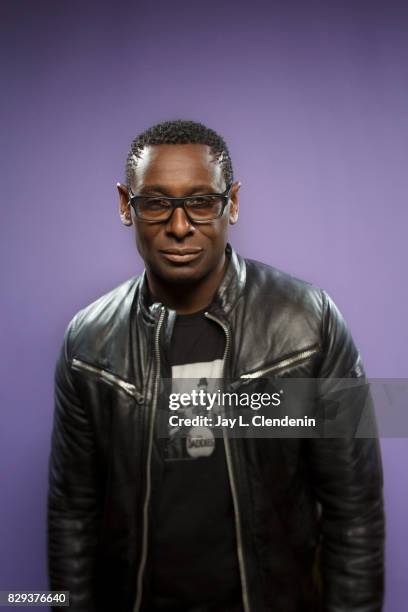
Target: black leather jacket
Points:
(308, 512)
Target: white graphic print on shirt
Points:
(198, 441)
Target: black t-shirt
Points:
(194, 553)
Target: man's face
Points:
(177, 171)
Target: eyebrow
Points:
(147, 189)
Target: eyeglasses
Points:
(198, 208)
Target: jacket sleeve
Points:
(74, 501)
(347, 478)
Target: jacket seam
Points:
(72, 375)
(323, 326)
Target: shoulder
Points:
(296, 308)
(102, 320)
(269, 286)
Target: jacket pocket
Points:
(293, 359)
(108, 377)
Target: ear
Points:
(124, 206)
(234, 201)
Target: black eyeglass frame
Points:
(180, 202)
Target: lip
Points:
(182, 255)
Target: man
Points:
(142, 520)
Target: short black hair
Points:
(180, 131)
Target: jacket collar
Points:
(225, 299)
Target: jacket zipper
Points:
(145, 533)
(130, 389)
(284, 363)
(237, 514)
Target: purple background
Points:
(312, 98)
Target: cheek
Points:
(138, 240)
(218, 234)
(144, 238)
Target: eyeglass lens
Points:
(200, 208)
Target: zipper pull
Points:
(156, 309)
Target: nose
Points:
(179, 224)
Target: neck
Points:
(187, 298)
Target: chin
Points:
(180, 275)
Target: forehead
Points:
(176, 166)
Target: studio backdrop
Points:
(312, 99)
